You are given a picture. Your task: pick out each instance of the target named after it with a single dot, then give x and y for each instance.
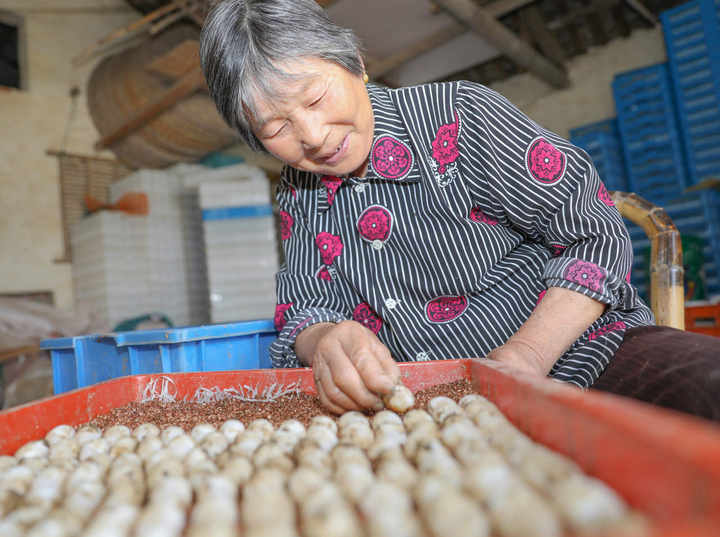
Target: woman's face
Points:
(323, 121)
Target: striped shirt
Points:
(468, 212)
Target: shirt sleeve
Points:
(549, 191)
(305, 290)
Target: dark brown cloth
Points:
(667, 367)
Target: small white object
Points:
(146, 430)
(391, 303)
(87, 433)
(58, 433)
(32, 449)
(91, 449)
(115, 433)
(181, 445)
(214, 444)
(401, 399)
(6, 462)
(201, 430)
(352, 417)
(323, 421)
(263, 426)
(359, 188)
(168, 433)
(231, 429)
(149, 445)
(378, 245)
(385, 417)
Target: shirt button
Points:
(359, 188)
(391, 303)
(377, 245)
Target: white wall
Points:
(589, 98)
(33, 120)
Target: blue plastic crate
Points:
(692, 38)
(652, 148)
(601, 140)
(85, 360)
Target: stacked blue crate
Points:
(601, 140)
(692, 38)
(649, 132)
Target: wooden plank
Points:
(187, 85)
(545, 39)
(495, 33)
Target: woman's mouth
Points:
(339, 152)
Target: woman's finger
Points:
(350, 380)
(333, 393)
(389, 365)
(373, 375)
(332, 407)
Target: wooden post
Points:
(495, 33)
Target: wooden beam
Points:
(379, 68)
(495, 33)
(546, 40)
(644, 12)
(191, 82)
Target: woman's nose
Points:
(310, 131)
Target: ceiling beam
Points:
(509, 44)
(532, 19)
(644, 12)
(378, 68)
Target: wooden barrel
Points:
(121, 85)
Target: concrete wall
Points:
(589, 97)
(33, 120)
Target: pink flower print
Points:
(612, 327)
(545, 162)
(332, 184)
(557, 249)
(604, 196)
(293, 192)
(330, 246)
(444, 309)
(280, 310)
(444, 146)
(364, 314)
(286, 224)
(391, 158)
(477, 215)
(324, 274)
(375, 223)
(627, 278)
(586, 274)
(540, 297)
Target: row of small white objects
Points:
(108, 263)
(240, 247)
(164, 249)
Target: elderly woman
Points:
(423, 223)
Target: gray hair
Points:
(243, 42)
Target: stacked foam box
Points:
(240, 247)
(164, 250)
(109, 262)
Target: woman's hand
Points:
(350, 365)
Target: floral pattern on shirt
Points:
(477, 215)
(545, 162)
(330, 246)
(612, 327)
(586, 274)
(375, 223)
(286, 224)
(391, 158)
(280, 320)
(332, 184)
(365, 315)
(444, 309)
(605, 197)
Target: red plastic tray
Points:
(665, 464)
